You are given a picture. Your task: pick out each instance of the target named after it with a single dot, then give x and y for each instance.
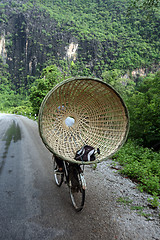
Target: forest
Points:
(117, 41)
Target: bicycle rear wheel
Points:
(57, 176)
(77, 191)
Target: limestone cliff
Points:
(30, 39)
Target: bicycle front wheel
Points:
(77, 190)
(57, 176)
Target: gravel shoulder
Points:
(128, 207)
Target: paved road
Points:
(31, 205)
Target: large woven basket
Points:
(100, 118)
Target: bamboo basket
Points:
(100, 119)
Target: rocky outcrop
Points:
(3, 52)
(30, 39)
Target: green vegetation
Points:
(144, 107)
(10, 100)
(107, 37)
(142, 165)
(140, 209)
(142, 97)
(134, 207)
(124, 200)
(123, 42)
(50, 77)
(154, 201)
(146, 4)
(112, 45)
(143, 101)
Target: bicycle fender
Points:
(84, 185)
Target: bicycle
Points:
(72, 175)
(99, 119)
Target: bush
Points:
(22, 110)
(142, 165)
(50, 77)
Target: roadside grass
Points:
(139, 209)
(142, 165)
(124, 200)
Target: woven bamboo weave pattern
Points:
(100, 115)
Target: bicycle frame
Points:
(66, 173)
(75, 181)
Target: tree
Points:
(143, 102)
(123, 84)
(50, 77)
(149, 5)
(144, 107)
(146, 4)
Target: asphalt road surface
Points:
(31, 205)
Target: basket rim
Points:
(41, 114)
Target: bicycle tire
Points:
(57, 176)
(77, 191)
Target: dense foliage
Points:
(143, 101)
(144, 107)
(146, 4)
(38, 33)
(50, 77)
(124, 42)
(142, 165)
